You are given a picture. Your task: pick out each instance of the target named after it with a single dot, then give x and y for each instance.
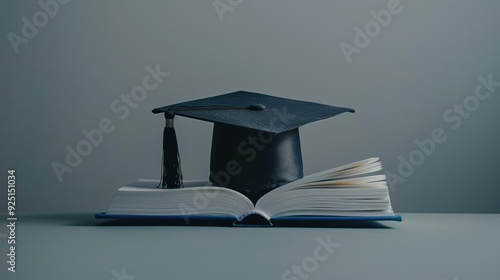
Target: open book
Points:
(342, 193)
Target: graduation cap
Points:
(255, 140)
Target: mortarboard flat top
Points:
(254, 111)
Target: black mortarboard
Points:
(255, 141)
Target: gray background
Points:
(89, 54)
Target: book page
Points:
(196, 198)
(345, 188)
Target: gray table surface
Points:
(423, 246)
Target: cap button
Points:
(256, 107)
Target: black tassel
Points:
(171, 171)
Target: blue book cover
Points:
(249, 221)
